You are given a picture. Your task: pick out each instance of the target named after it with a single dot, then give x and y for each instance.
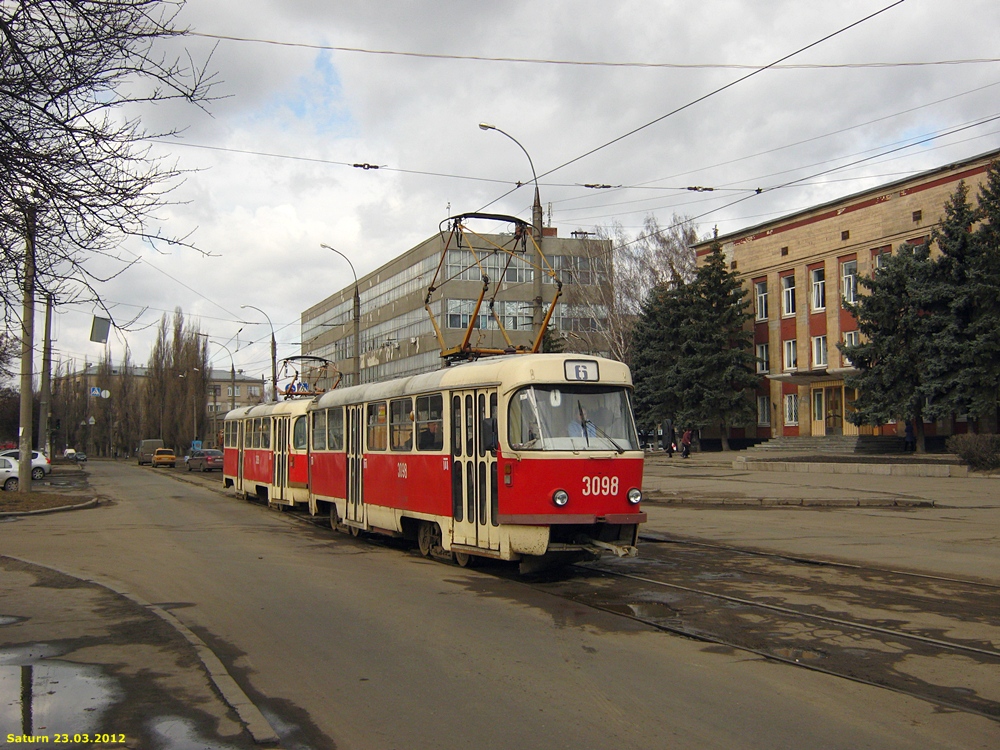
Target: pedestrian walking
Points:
(668, 438)
(686, 443)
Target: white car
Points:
(8, 474)
(40, 463)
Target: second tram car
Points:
(531, 458)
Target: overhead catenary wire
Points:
(590, 63)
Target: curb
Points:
(886, 470)
(789, 502)
(88, 504)
(250, 716)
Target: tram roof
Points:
(508, 372)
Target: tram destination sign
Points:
(582, 369)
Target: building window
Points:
(791, 356)
(819, 351)
(763, 358)
(791, 409)
(253, 390)
(818, 278)
(851, 338)
(760, 288)
(788, 295)
(849, 280)
(880, 255)
(763, 410)
(229, 391)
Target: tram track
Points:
(924, 636)
(929, 637)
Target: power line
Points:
(702, 98)
(593, 63)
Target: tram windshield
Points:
(571, 418)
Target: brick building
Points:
(798, 268)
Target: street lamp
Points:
(536, 223)
(274, 351)
(232, 375)
(357, 316)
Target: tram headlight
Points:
(560, 497)
(634, 496)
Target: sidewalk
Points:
(947, 526)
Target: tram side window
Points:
(319, 430)
(378, 426)
(335, 429)
(300, 434)
(401, 424)
(255, 434)
(430, 423)
(265, 432)
(456, 425)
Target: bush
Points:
(980, 452)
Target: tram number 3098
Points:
(600, 485)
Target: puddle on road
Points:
(41, 694)
(44, 695)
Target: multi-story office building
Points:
(798, 269)
(396, 332)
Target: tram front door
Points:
(474, 471)
(355, 464)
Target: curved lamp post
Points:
(232, 375)
(357, 316)
(274, 352)
(536, 222)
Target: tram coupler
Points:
(618, 550)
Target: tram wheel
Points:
(355, 531)
(464, 559)
(428, 538)
(334, 518)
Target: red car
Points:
(205, 460)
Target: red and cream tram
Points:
(516, 458)
(272, 462)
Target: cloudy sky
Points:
(316, 91)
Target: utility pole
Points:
(45, 400)
(27, 348)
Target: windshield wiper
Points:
(583, 422)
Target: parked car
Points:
(164, 457)
(205, 460)
(80, 458)
(8, 474)
(40, 463)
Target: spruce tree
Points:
(896, 333)
(656, 348)
(984, 329)
(714, 378)
(950, 381)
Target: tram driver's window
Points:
(430, 423)
(378, 426)
(401, 424)
(300, 434)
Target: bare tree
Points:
(71, 148)
(627, 269)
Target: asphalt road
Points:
(348, 644)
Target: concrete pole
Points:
(45, 401)
(27, 349)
